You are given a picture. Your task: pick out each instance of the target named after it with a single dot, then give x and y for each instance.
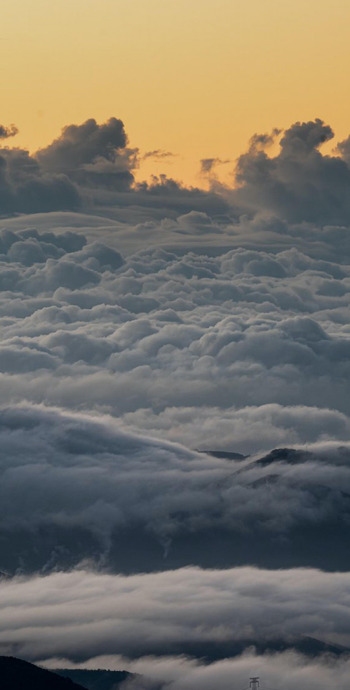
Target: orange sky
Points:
(195, 77)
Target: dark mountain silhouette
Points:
(287, 455)
(16, 674)
(212, 651)
(95, 680)
(224, 454)
(209, 652)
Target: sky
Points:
(175, 349)
(196, 79)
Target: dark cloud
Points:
(25, 188)
(92, 154)
(164, 196)
(93, 491)
(89, 156)
(91, 164)
(97, 159)
(299, 183)
(263, 141)
(208, 164)
(158, 154)
(343, 149)
(79, 145)
(7, 132)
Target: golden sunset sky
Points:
(194, 77)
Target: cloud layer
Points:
(219, 348)
(74, 488)
(288, 670)
(157, 323)
(167, 614)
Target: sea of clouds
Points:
(157, 345)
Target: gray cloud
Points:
(249, 327)
(186, 341)
(299, 183)
(158, 154)
(7, 132)
(92, 489)
(91, 164)
(92, 154)
(88, 154)
(26, 188)
(208, 165)
(79, 145)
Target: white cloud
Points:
(80, 615)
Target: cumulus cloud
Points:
(92, 164)
(80, 144)
(299, 183)
(26, 188)
(88, 154)
(92, 154)
(231, 348)
(205, 327)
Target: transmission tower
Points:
(254, 683)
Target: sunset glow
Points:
(193, 78)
